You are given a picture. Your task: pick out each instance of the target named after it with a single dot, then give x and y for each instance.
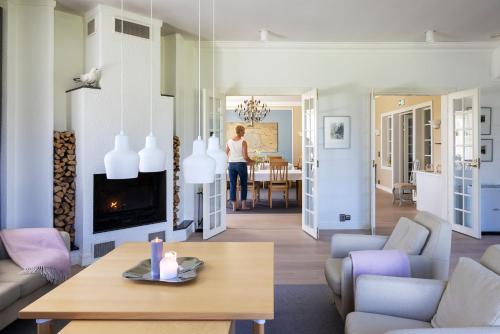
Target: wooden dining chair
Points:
(278, 180)
(253, 186)
(274, 157)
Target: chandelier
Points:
(252, 111)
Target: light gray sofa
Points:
(468, 304)
(432, 261)
(18, 290)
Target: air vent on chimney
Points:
(103, 248)
(91, 27)
(131, 28)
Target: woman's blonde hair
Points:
(240, 130)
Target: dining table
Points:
(262, 174)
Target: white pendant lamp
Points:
(214, 150)
(199, 167)
(121, 162)
(152, 158)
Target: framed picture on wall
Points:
(486, 150)
(337, 131)
(485, 120)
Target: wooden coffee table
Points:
(236, 283)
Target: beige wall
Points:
(385, 104)
(297, 128)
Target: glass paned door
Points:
(214, 194)
(310, 163)
(464, 162)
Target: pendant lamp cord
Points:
(213, 58)
(122, 106)
(199, 68)
(151, 69)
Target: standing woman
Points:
(237, 152)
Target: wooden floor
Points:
(299, 259)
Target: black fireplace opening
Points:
(120, 204)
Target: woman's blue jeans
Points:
(238, 169)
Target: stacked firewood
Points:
(64, 182)
(177, 156)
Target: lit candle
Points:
(156, 254)
(169, 266)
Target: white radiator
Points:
(490, 208)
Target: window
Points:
(427, 137)
(386, 144)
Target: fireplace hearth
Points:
(120, 204)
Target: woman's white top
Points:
(235, 150)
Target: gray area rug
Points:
(299, 309)
(262, 206)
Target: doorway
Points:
(286, 137)
(430, 145)
(274, 136)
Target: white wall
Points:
(490, 171)
(344, 75)
(495, 64)
(68, 61)
(27, 114)
(184, 85)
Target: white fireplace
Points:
(95, 119)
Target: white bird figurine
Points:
(90, 79)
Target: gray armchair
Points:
(432, 261)
(468, 304)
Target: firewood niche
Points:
(177, 144)
(64, 182)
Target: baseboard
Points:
(384, 188)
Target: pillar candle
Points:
(156, 255)
(169, 266)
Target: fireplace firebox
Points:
(120, 204)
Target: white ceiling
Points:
(324, 20)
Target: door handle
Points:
(476, 163)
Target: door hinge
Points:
(317, 163)
(373, 164)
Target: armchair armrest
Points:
(421, 266)
(342, 244)
(411, 298)
(66, 239)
(463, 330)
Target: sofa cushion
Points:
(3, 251)
(471, 299)
(371, 323)
(491, 258)
(10, 272)
(333, 272)
(9, 293)
(408, 236)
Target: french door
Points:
(464, 162)
(373, 165)
(214, 194)
(310, 163)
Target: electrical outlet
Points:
(342, 217)
(347, 217)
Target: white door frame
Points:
(473, 165)
(310, 199)
(214, 193)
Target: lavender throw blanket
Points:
(379, 262)
(38, 250)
